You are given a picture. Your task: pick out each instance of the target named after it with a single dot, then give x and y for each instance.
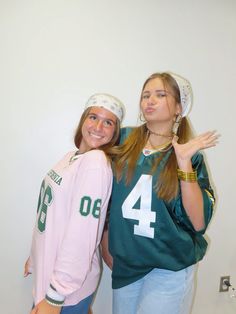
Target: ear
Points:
(178, 109)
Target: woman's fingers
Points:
(207, 139)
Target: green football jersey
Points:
(146, 232)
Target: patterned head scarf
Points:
(186, 95)
(108, 102)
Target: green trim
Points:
(54, 302)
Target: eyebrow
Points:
(157, 90)
(95, 114)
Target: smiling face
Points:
(98, 128)
(158, 103)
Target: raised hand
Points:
(184, 152)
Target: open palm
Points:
(202, 141)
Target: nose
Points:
(99, 125)
(151, 100)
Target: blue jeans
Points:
(159, 292)
(81, 308)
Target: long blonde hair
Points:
(167, 185)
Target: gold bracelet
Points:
(187, 176)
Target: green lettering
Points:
(97, 208)
(59, 181)
(85, 206)
(45, 200)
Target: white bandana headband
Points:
(186, 94)
(108, 102)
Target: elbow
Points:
(199, 226)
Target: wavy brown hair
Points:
(167, 185)
(106, 148)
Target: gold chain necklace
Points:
(162, 147)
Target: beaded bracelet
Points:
(187, 176)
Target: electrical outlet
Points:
(223, 286)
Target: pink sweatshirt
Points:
(70, 219)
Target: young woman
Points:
(161, 204)
(71, 212)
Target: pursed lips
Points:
(149, 110)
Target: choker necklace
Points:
(159, 134)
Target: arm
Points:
(105, 251)
(191, 192)
(43, 308)
(89, 199)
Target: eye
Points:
(145, 96)
(161, 94)
(92, 117)
(108, 123)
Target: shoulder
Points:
(95, 154)
(95, 157)
(125, 132)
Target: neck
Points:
(164, 134)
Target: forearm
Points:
(192, 198)
(44, 307)
(193, 203)
(191, 192)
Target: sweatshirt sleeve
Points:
(207, 195)
(91, 193)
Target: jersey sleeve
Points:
(207, 195)
(91, 194)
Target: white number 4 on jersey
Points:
(143, 191)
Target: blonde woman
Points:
(161, 204)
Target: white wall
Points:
(54, 54)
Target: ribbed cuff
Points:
(53, 297)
